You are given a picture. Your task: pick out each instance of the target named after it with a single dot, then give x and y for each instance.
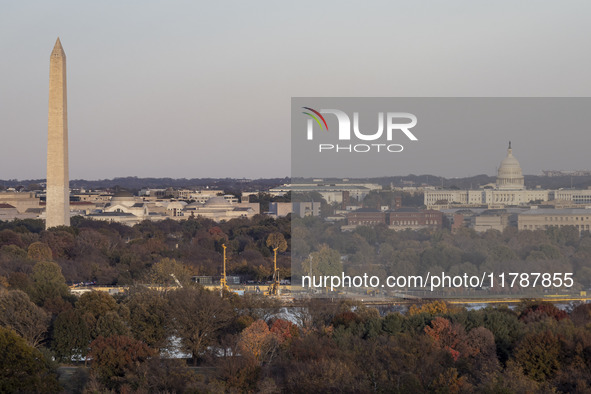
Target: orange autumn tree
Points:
(258, 342)
(446, 336)
(284, 330)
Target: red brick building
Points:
(414, 218)
(366, 217)
(399, 219)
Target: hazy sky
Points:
(202, 89)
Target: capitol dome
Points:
(510, 176)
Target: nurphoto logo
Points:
(395, 122)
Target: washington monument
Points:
(57, 210)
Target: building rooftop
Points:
(122, 194)
(217, 202)
(408, 209)
(319, 188)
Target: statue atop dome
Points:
(510, 176)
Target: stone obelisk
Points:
(57, 210)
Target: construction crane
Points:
(176, 280)
(223, 281)
(274, 287)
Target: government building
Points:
(508, 191)
(541, 219)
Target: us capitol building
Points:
(509, 190)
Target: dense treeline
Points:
(152, 340)
(135, 183)
(141, 342)
(111, 253)
(380, 251)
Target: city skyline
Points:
(197, 91)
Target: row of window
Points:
(564, 218)
(580, 227)
(366, 222)
(413, 222)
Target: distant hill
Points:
(473, 182)
(136, 183)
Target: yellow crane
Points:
(223, 281)
(176, 280)
(274, 287)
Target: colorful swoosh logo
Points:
(316, 117)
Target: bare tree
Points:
(23, 316)
(197, 316)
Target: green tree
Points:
(95, 314)
(71, 336)
(277, 240)
(325, 261)
(506, 328)
(392, 323)
(149, 317)
(103, 316)
(13, 252)
(48, 282)
(22, 367)
(39, 251)
(162, 271)
(539, 355)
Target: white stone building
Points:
(509, 190)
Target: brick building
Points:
(414, 219)
(366, 217)
(399, 219)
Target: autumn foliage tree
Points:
(432, 308)
(535, 311)
(258, 342)
(284, 330)
(446, 335)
